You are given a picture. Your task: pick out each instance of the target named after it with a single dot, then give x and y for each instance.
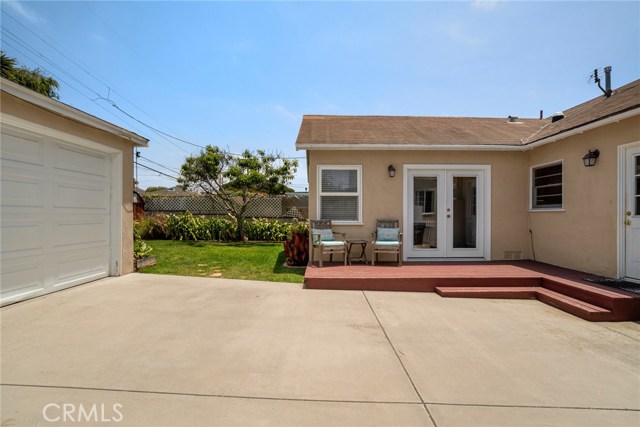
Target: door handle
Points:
(627, 222)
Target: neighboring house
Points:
(66, 201)
(488, 188)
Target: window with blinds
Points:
(547, 186)
(340, 193)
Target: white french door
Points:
(632, 213)
(445, 212)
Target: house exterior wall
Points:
(383, 196)
(583, 235)
(21, 109)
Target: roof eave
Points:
(409, 147)
(584, 128)
(72, 113)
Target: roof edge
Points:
(70, 112)
(584, 128)
(409, 147)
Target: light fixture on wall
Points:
(392, 171)
(590, 158)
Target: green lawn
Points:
(250, 261)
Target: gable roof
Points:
(412, 131)
(623, 99)
(451, 133)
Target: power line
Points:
(145, 124)
(157, 171)
(161, 133)
(89, 73)
(158, 164)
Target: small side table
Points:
(363, 246)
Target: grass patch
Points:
(248, 261)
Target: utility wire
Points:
(158, 164)
(165, 135)
(145, 124)
(157, 171)
(89, 73)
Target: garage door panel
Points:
(77, 160)
(80, 195)
(79, 266)
(21, 279)
(21, 190)
(84, 233)
(22, 149)
(55, 215)
(20, 236)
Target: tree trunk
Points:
(240, 228)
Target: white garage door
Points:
(55, 215)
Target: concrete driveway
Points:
(147, 350)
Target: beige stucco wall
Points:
(382, 195)
(21, 109)
(584, 235)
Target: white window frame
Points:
(532, 208)
(358, 169)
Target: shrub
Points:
(187, 226)
(140, 249)
(152, 227)
(266, 230)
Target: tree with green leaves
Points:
(33, 79)
(236, 181)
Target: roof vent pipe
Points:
(557, 116)
(607, 81)
(540, 114)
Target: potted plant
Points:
(141, 251)
(296, 247)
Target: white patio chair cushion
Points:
(329, 243)
(386, 243)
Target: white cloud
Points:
(286, 113)
(458, 34)
(25, 12)
(485, 4)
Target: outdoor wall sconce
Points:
(392, 171)
(590, 158)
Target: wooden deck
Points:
(564, 289)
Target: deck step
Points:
(572, 305)
(515, 292)
(555, 299)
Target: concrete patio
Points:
(201, 352)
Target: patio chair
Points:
(322, 239)
(387, 239)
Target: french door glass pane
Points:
(464, 211)
(425, 212)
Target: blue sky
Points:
(241, 74)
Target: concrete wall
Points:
(583, 236)
(21, 109)
(382, 196)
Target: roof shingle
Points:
(319, 131)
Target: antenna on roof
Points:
(607, 81)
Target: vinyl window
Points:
(340, 193)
